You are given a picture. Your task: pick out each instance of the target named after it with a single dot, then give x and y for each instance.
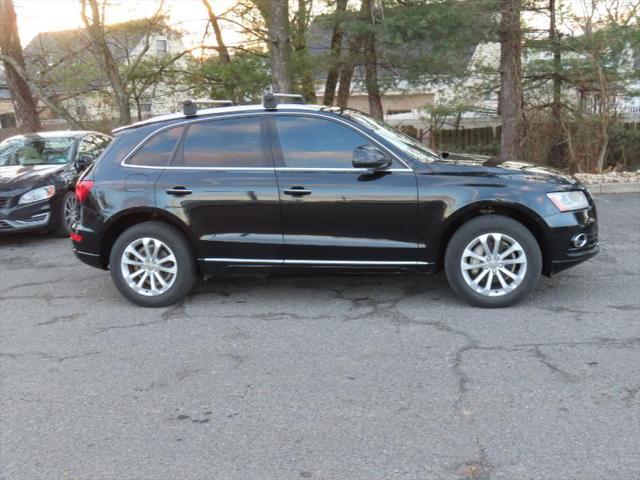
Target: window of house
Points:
(161, 47)
(158, 151)
(309, 142)
(235, 142)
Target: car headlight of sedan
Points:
(569, 201)
(37, 194)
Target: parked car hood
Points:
(16, 176)
(479, 165)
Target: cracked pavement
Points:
(325, 377)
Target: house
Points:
(68, 70)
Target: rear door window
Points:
(224, 143)
(159, 150)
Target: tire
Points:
(467, 248)
(174, 264)
(65, 217)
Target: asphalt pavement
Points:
(321, 377)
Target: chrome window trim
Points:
(309, 262)
(263, 169)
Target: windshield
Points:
(399, 139)
(35, 151)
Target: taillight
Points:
(83, 187)
(76, 237)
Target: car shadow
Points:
(31, 238)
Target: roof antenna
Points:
(189, 108)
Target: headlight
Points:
(569, 201)
(37, 194)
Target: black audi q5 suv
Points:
(288, 186)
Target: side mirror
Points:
(84, 160)
(368, 156)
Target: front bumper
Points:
(22, 218)
(562, 253)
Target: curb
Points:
(628, 187)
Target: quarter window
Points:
(308, 142)
(158, 151)
(93, 146)
(233, 142)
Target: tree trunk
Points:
(279, 44)
(336, 46)
(511, 97)
(95, 29)
(344, 88)
(557, 153)
(371, 64)
(23, 101)
(223, 52)
(348, 63)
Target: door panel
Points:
(223, 185)
(333, 213)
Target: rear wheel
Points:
(152, 265)
(493, 261)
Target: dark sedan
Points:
(38, 173)
(294, 186)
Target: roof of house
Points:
(122, 38)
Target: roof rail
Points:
(190, 107)
(270, 101)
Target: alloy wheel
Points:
(493, 264)
(148, 266)
(71, 211)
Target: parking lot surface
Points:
(322, 377)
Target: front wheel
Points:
(493, 261)
(152, 265)
(69, 214)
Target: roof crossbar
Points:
(270, 101)
(190, 107)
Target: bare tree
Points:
(336, 47)
(94, 23)
(223, 51)
(13, 60)
(511, 97)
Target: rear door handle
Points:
(179, 191)
(297, 191)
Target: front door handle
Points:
(179, 191)
(297, 191)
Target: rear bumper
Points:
(91, 259)
(87, 247)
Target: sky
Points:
(190, 16)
